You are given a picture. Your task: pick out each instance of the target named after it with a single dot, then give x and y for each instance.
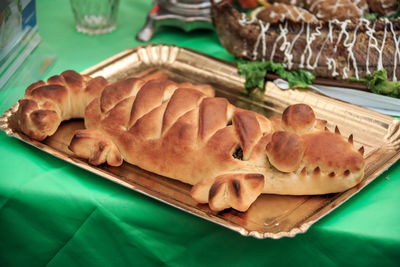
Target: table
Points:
(52, 213)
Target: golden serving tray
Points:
(270, 216)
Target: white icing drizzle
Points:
(244, 20)
(285, 47)
(396, 41)
(310, 37)
(319, 53)
(343, 37)
(307, 45)
(375, 45)
(330, 61)
(288, 52)
(343, 26)
(244, 52)
(349, 46)
(314, 4)
(332, 66)
(313, 37)
(261, 38)
(370, 32)
(264, 29)
(330, 32)
(282, 35)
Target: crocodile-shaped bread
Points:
(181, 131)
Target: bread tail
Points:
(46, 104)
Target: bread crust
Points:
(183, 132)
(62, 97)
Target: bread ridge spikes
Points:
(317, 171)
(361, 150)
(337, 130)
(350, 140)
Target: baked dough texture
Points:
(181, 131)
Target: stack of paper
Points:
(18, 35)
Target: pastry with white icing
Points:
(329, 49)
(281, 12)
(336, 9)
(383, 7)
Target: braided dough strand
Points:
(46, 104)
(183, 132)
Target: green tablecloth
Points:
(52, 213)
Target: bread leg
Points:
(238, 191)
(96, 147)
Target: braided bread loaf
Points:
(46, 104)
(230, 155)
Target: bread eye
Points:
(238, 153)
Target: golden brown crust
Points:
(248, 129)
(213, 115)
(181, 131)
(95, 147)
(238, 191)
(330, 152)
(117, 91)
(285, 151)
(298, 118)
(46, 104)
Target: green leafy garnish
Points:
(377, 82)
(255, 71)
(371, 16)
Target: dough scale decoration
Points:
(181, 131)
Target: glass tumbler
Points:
(95, 16)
